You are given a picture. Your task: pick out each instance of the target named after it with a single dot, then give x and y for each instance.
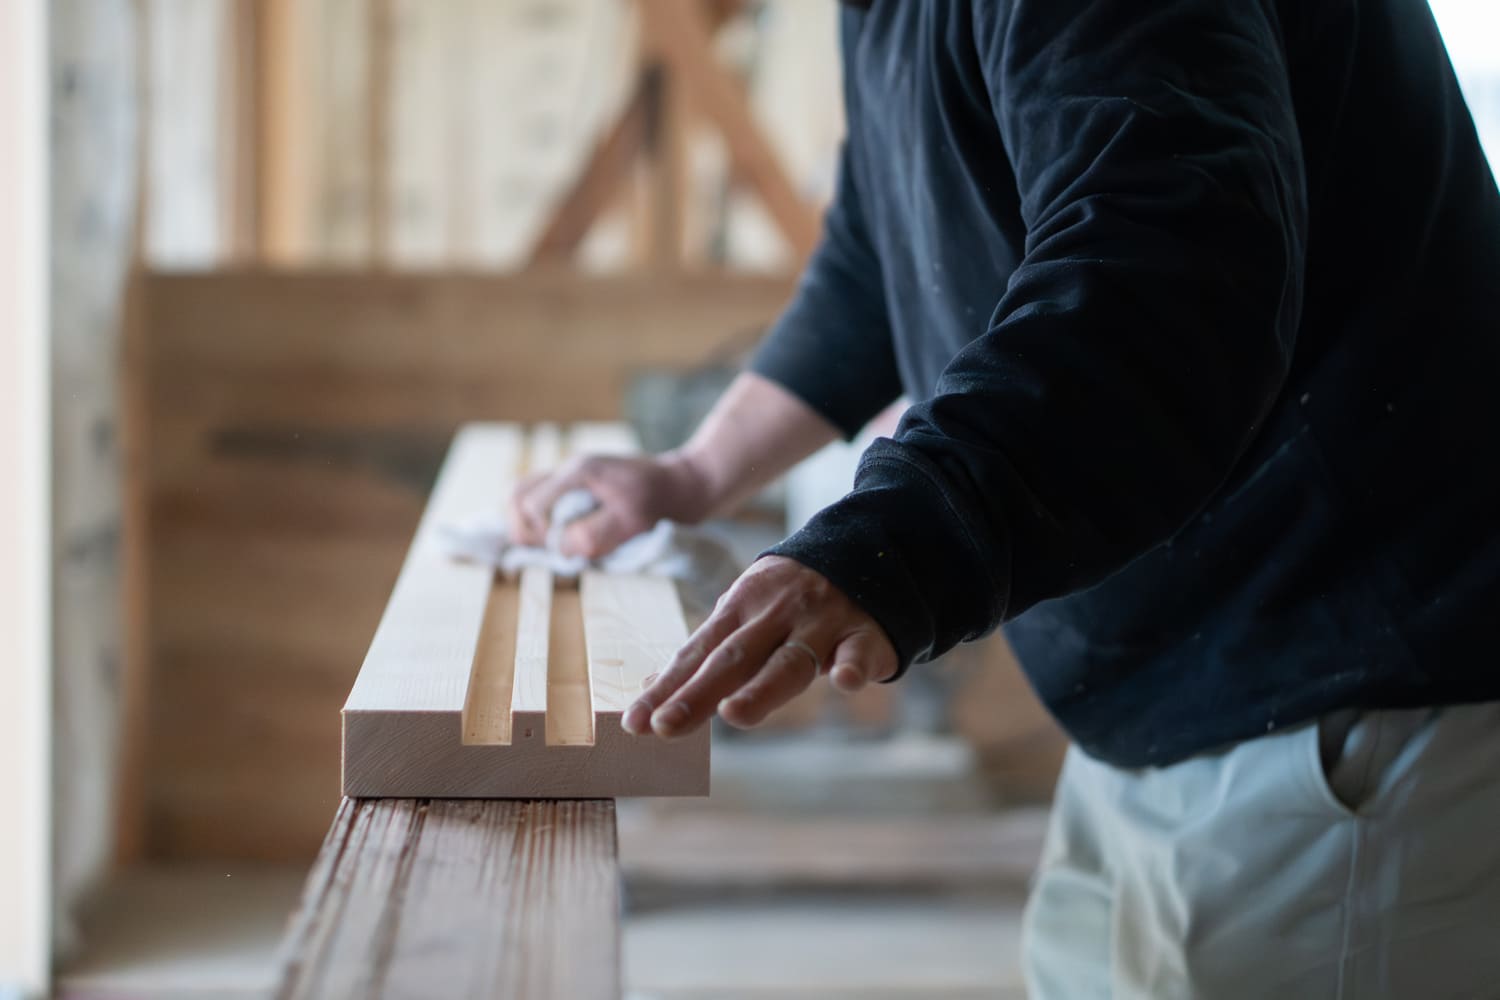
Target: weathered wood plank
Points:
(418, 898)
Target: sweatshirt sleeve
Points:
(832, 346)
(1137, 347)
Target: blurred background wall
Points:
(414, 133)
(95, 144)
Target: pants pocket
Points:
(1349, 754)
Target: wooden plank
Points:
(633, 625)
(380, 45)
(295, 423)
(570, 702)
(667, 139)
(407, 716)
(411, 898)
(135, 676)
(423, 651)
(533, 626)
(493, 685)
(602, 438)
(544, 448)
(282, 148)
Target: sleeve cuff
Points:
(898, 546)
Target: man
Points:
(1200, 304)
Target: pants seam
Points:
(1346, 949)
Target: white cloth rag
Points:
(701, 564)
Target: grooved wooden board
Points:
(479, 687)
(411, 898)
(293, 424)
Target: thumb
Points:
(863, 657)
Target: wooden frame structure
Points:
(479, 687)
(678, 76)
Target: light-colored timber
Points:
(296, 422)
(475, 687)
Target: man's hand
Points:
(755, 432)
(634, 492)
(770, 635)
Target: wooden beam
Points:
(681, 30)
(135, 673)
(415, 898)
(294, 424)
(237, 124)
(380, 54)
(607, 168)
(282, 105)
(414, 700)
(666, 144)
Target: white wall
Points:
(24, 528)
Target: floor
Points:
(841, 871)
(199, 934)
(827, 946)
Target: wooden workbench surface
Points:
(460, 898)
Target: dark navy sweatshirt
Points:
(1199, 305)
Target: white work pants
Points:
(1356, 858)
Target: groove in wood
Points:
(487, 705)
(570, 716)
(546, 670)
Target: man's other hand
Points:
(770, 635)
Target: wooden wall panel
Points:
(293, 425)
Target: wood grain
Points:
(296, 423)
(497, 656)
(633, 625)
(423, 652)
(533, 634)
(411, 898)
(430, 678)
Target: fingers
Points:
(744, 663)
(863, 657)
(728, 668)
(595, 534)
(637, 718)
(788, 673)
(525, 527)
(531, 504)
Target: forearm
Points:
(755, 433)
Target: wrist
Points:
(690, 493)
